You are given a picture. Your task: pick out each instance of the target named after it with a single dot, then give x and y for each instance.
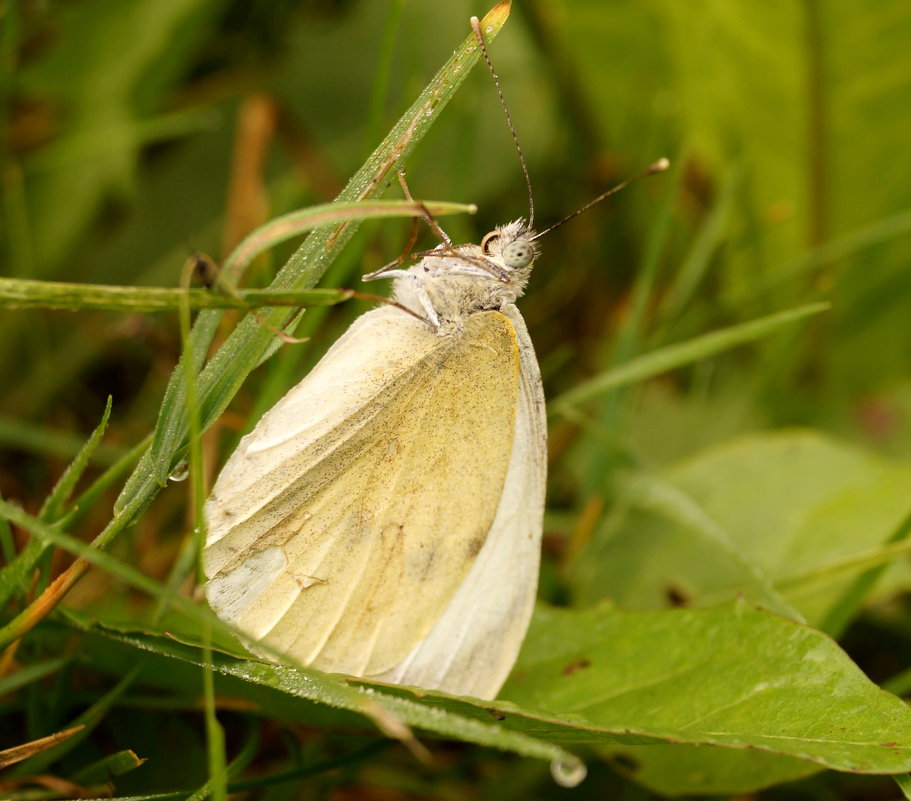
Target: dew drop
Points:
(180, 471)
(568, 771)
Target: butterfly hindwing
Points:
(474, 643)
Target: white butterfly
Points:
(384, 518)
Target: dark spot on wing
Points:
(473, 547)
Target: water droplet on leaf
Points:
(568, 771)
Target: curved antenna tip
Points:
(659, 166)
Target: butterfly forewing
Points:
(340, 529)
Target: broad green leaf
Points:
(734, 677)
(793, 504)
(703, 769)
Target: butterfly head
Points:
(510, 252)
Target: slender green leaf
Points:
(289, 226)
(53, 505)
(109, 90)
(673, 356)
(24, 294)
(231, 770)
(86, 723)
(692, 272)
(13, 575)
(904, 784)
(20, 293)
(28, 674)
(112, 765)
(846, 607)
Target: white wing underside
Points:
(474, 644)
(372, 523)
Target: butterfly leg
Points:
(427, 216)
(389, 269)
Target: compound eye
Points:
(519, 253)
(493, 236)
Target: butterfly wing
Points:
(476, 640)
(347, 520)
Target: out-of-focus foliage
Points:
(775, 473)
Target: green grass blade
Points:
(53, 505)
(20, 293)
(30, 673)
(705, 244)
(14, 575)
(86, 500)
(25, 294)
(112, 765)
(673, 356)
(88, 720)
(845, 610)
(234, 768)
(295, 223)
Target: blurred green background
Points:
(136, 133)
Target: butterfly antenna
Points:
(659, 166)
(476, 27)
